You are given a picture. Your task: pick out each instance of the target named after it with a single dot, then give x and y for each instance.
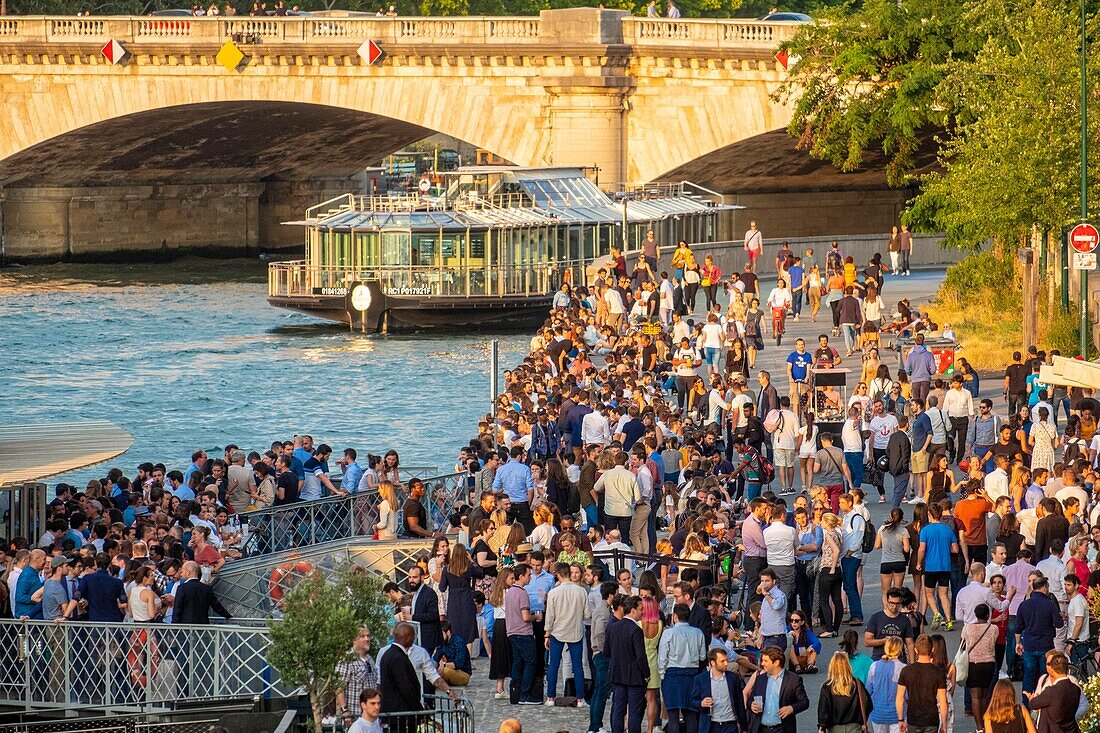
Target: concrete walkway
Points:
(918, 288)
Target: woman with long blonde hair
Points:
(387, 511)
(844, 700)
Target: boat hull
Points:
(405, 313)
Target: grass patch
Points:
(982, 300)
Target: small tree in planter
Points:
(315, 634)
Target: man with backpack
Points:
(758, 471)
(855, 530)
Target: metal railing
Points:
(113, 724)
(304, 523)
(256, 586)
(443, 715)
(131, 666)
(297, 279)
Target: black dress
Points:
(500, 666)
(461, 611)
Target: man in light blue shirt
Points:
(773, 610)
(515, 480)
(198, 460)
(353, 472)
(854, 523)
(771, 717)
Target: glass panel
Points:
(395, 248)
(424, 250)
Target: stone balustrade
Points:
(608, 27)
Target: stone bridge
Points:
(171, 149)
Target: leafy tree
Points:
(315, 634)
(369, 603)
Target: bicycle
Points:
(1090, 665)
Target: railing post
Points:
(217, 660)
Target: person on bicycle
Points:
(779, 300)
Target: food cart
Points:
(827, 398)
(942, 349)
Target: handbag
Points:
(862, 709)
(962, 658)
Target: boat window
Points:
(424, 250)
(395, 249)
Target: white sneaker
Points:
(1003, 675)
(500, 695)
(549, 702)
(582, 704)
(915, 500)
(882, 500)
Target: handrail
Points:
(144, 665)
(280, 528)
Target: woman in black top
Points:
(940, 480)
(1010, 536)
(844, 700)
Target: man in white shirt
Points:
(595, 429)
(616, 309)
(621, 494)
(667, 299)
(639, 522)
(782, 541)
(1077, 620)
(685, 360)
(996, 481)
(997, 567)
(977, 592)
(959, 406)
(882, 426)
(370, 707)
(603, 548)
(784, 442)
(941, 426)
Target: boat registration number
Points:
(411, 291)
(330, 291)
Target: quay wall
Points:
(133, 223)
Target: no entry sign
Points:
(1084, 238)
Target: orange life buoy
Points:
(283, 573)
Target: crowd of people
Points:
(691, 541)
(661, 534)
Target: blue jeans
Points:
(523, 665)
(850, 565)
(848, 330)
(854, 459)
(575, 651)
(592, 514)
(712, 356)
(752, 490)
(627, 700)
(601, 690)
(777, 641)
(901, 488)
(1010, 644)
(1034, 662)
(796, 302)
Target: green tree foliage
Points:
(995, 81)
(321, 618)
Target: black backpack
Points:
(868, 536)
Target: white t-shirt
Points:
(785, 436)
(881, 428)
(850, 437)
(738, 403)
(686, 368)
(1078, 607)
(809, 442)
(614, 301)
(781, 541)
(713, 334)
(680, 330)
(1068, 491)
(666, 294)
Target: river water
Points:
(189, 355)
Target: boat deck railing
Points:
(135, 666)
(298, 279)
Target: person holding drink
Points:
(778, 696)
(719, 696)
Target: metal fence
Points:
(255, 587)
(443, 715)
(282, 528)
(131, 666)
(111, 724)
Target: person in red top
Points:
(970, 512)
(711, 275)
(1078, 564)
(206, 555)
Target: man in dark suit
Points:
(769, 712)
(718, 712)
(1057, 703)
(104, 593)
(699, 617)
(399, 681)
(629, 668)
(425, 610)
(194, 599)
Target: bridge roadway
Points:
(98, 155)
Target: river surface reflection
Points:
(189, 355)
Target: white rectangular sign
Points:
(1084, 260)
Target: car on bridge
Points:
(798, 17)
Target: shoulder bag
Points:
(962, 658)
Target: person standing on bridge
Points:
(673, 11)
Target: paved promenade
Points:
(918, 288)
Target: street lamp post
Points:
(1083, 326)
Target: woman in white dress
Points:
(807, 448)
(143, 602)
(1043, 439)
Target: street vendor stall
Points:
(827, 398)
(943, 349)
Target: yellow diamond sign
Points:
(230, 56)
